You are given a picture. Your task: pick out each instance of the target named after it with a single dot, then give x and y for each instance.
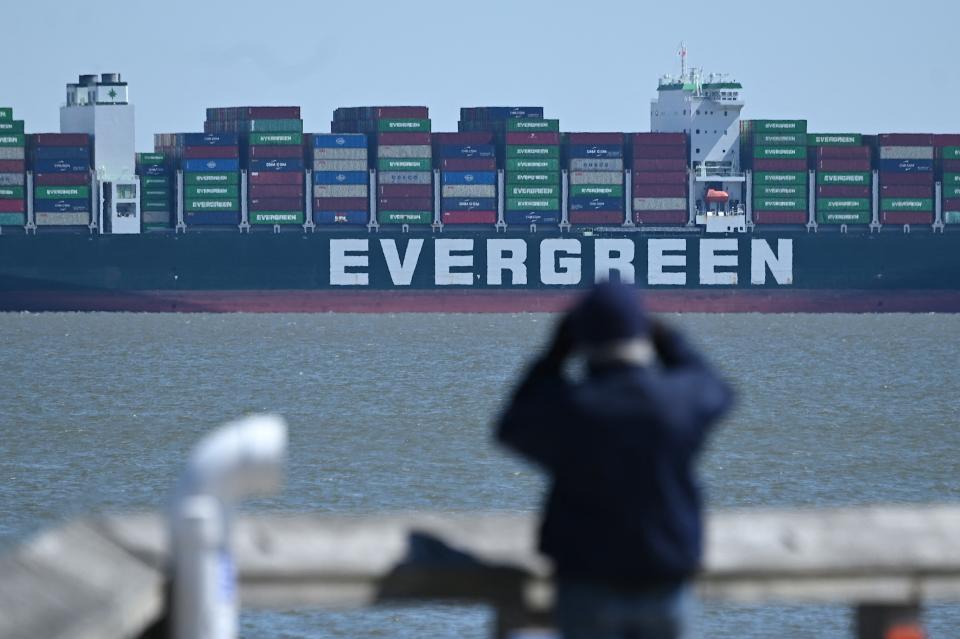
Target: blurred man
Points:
(623, 518)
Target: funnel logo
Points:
(113, 94)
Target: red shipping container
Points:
(268, 112)
(951, 166)
(660, 190)
(276, 204)
(905, 217)
(844, 152)
(206, 152)
(60, 139)
(659, 165)
(61, 179)
(403, 139)
(406, 203)
(905, 139)
(853, 166)
(340, 203)
(596, 217)
(404, 190)
(658, 139)
(13, 206)
(283, 151)
(13, 166)
(660, 217)
(659, 177)
(906, 178)
(840, 190)
(469, 164)
(946, 139)
(276, 190)
(276, 177)
(464, 137)
(533, 138)
(676, 152)
(469, 217)
(769, 164)
(595, 138)
(951, 204)
(906, 190)
(780, 217)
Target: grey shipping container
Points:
(596, 177)
(155, 217)
(590, 164)
(62, 219)
(339, 154)
(469, 190)
(404, 177)
(906, 153)
(659, 204)
(12, 179)
(340, 190)
(404, 151)
(339, 165)
(11, 153)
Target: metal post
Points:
(501, 223)
(691, 203)
(437, 219)
(241, 459)
(875, 202)
(181, 224)
(938, 204)
(812, 201)
(564, 200)
(628, 203)
(308, 223)
(31, 226)
(373, 224)
(748, 190)
(95, 208)
(244, 209)
(883, 621)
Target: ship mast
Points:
(682, 52)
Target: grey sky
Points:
(844, 65)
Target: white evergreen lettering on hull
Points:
(506, 255)
(716, 253)
(614, 255)
(662, 253)
(450, 254)
(401, 271)
(556, 264)
(780, 264)
(349, 254)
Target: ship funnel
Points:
(88, 80)
(109, 78)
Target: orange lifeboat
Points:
(719, 197)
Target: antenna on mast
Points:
(682, 52)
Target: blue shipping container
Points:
(153, 170)
(62, 153)
(66, 205)
(581, 203)
(467, 151)
(220, 218)
(211, 165)
(341, 217)
(278, 165)
(469, 203)
(532, 217)
(341, 177)
(61, 166)
(907, 166)
(500, 113)
(469, 177)
(210, 139)
(339, 141)
(598, 151)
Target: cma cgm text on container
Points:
(558, 262)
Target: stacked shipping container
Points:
(532, 160)
(341, 184)
(62, 179)
(211, 177)
(468, 176)
(844, 191)
(948, 170)
(778, 151)
(271, 150)
(906, 178)
(156, 190)
(660, 178)
(595, 165)
(13, 167)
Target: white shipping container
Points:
(11, 153)
(906, 152)
(62, 219)
(659, 204)
(596, 177)
(405, 151)
(340, 190)
(338, 153)
(469, 190)
(12, 179)
(339, 165)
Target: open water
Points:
(394, 412)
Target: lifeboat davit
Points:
(714, 195)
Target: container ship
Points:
(707, 212)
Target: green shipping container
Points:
(404, 125)
(951, 178)
(780, 191)
(843, 204)
(211, 205)
(780, 152)
(276, 217)
(533, 178)
(60, 192)
(601, 190)
(951, 217)
(158, 205)
(216, 191)
(778, 204)
(151, 181)
(12, 139)
(276, 139)
(780, 139)
(906, 204)
(6, 114)
(843, 217)
(273, 126)
(13, 219)
(844, 179)
(834, 139)
(530, 124)
(951, 190)
(404, 164)
(552, 152)
(529, 164)
(14, 126)
(533, 191)
(405, 217)
(951, 153)
(11, 192)
(533, 204)
(779, 178)
(211, 178)
(150, 159)
(779, 126)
